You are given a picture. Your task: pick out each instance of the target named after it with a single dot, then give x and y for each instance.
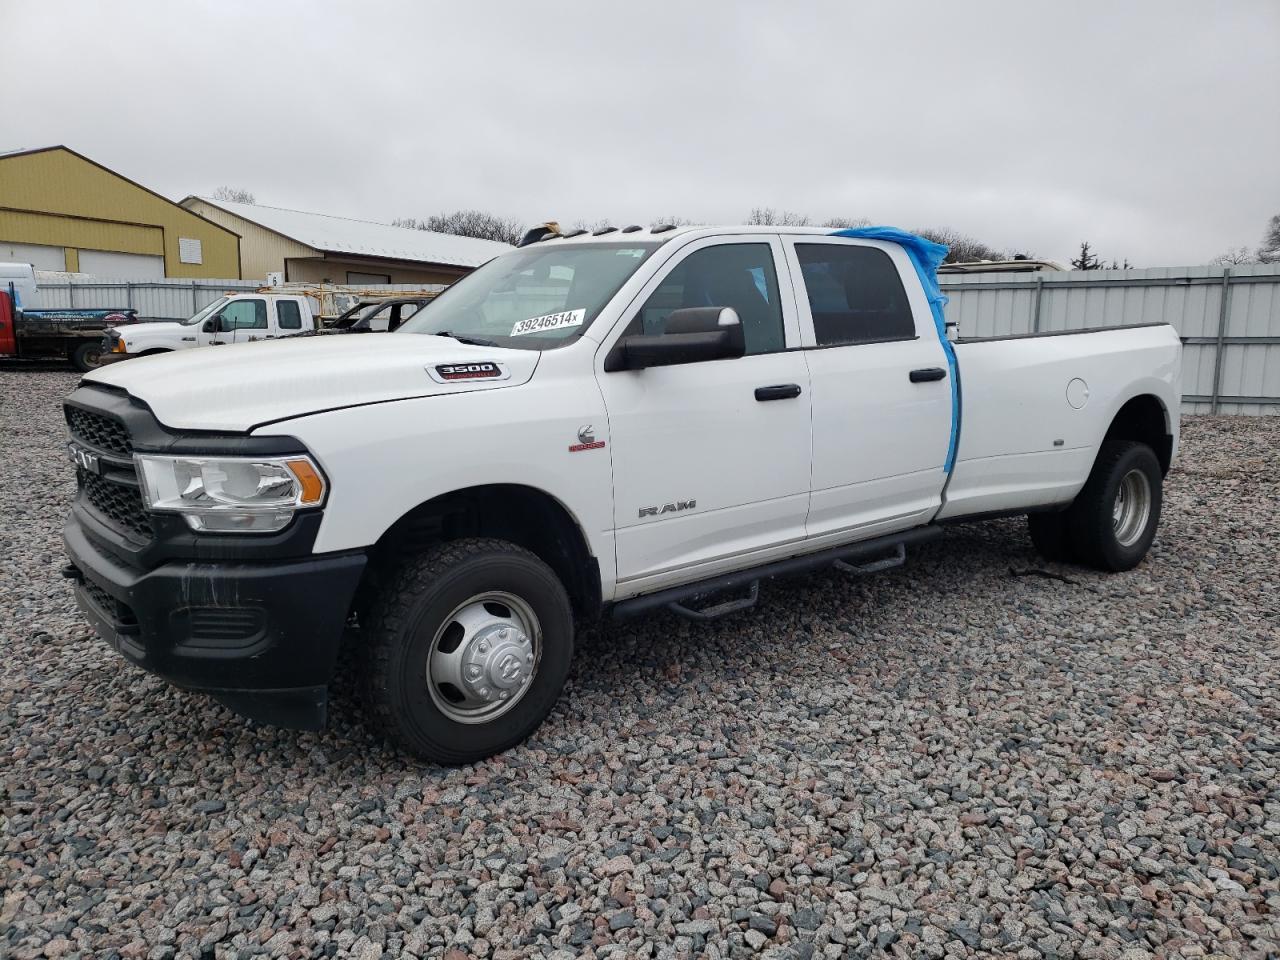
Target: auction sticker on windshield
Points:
(551, 321)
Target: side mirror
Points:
(692, 335)
(210, 325)
(222, 324)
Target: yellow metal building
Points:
(61, 211)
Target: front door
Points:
(248, 320)
(710, 459)
(881, 388)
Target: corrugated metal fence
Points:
(162, 299)
(1228, 317)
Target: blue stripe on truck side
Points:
(926, 256)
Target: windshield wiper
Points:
(474, 341)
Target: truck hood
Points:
(156, 329)
(237, 387)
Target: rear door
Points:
(710, 459)
(881, 394)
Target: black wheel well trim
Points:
(522, 514)
(1145, 418)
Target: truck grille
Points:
(98, 431)
(118, 503)
(113, 495)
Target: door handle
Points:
(928, 374)
(217, 343)
(781, 391)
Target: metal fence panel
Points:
(169, 299)
(1229, 319)
(153, 299)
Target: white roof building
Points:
(313, 247)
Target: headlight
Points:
(231, 494)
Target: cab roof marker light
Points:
(632, 229)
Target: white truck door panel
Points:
(704, 472)
(880, 438)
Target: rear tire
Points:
(1051, 534)
(87, 356)
(469, 647)
(1114, 518)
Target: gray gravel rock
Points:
(945, 761)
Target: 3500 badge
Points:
(453, 372)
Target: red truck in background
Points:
(57, 334)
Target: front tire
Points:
(1114, 518)
(468, 650)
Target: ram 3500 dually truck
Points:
(588, 424)
(236, 318)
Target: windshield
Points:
(207, 311)
(534, 299)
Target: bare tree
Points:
(846, 223)
(233, 195)
(1269, 251)
(1235, 256)
(590, 227)
(670, 222)
(963, 248)
(468, 223)
(1087, 260)
(769, 217)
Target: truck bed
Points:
(1024, 442)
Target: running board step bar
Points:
(720, 609)
(896, 559)
(871, 551)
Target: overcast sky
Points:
(1149, 128)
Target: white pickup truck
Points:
(236, 318)
(586, 425)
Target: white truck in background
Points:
(236, 318)
(590, 424)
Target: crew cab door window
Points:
(379, 321)
(737, 275)
(855, 294)
(245, 320)
(288, 316)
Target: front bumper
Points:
(261, 638)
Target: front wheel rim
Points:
(1132, 508)
(484, 657)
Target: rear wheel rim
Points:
(1132, 508)
(484, 657)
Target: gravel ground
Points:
(959, 759)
